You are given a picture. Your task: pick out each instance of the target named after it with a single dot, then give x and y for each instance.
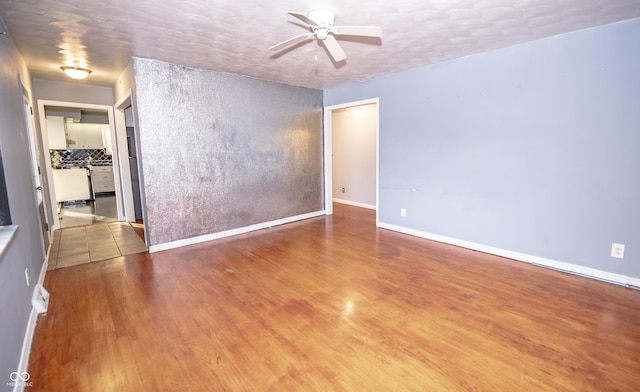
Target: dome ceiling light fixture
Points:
(76, 72)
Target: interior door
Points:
(39, 180)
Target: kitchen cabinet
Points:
(56, 133)
(71, 184)
(102, 179)
(106, 140)
(84, 136)
(75, 136)
(93, 135)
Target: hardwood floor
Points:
(332, 304)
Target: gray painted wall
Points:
(26, 249)
(72, 92)
(531, 148)
(124, 83)
(222, 151)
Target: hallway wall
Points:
(72, 92)
(25, 252)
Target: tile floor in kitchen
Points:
(90, 232)
(100, 241)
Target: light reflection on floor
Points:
(102, 209)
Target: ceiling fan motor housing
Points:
(324, 18)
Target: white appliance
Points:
(71, 184)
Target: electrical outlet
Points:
(26, 275)
(617, 251)
(403, 212)
(342, 189)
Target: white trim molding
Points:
(535, 260)
(354, 203)
(232, 232)
(31, 327)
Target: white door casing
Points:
(328, 167)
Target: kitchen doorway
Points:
(78, 151)
(342, 115)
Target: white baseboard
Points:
(229, 233)
(540, 261)
(31, 327)
(354, 203)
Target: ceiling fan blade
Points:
(334, 48)
(363, 31)
(303, 18)
(292, 41)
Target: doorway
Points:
(351, 166)
(128, 140)
(132, 152)
(78, 153)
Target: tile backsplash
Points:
(61, 159)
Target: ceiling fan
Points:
(320, 24)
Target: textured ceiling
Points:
(234, 35)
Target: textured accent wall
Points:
(222, 151)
